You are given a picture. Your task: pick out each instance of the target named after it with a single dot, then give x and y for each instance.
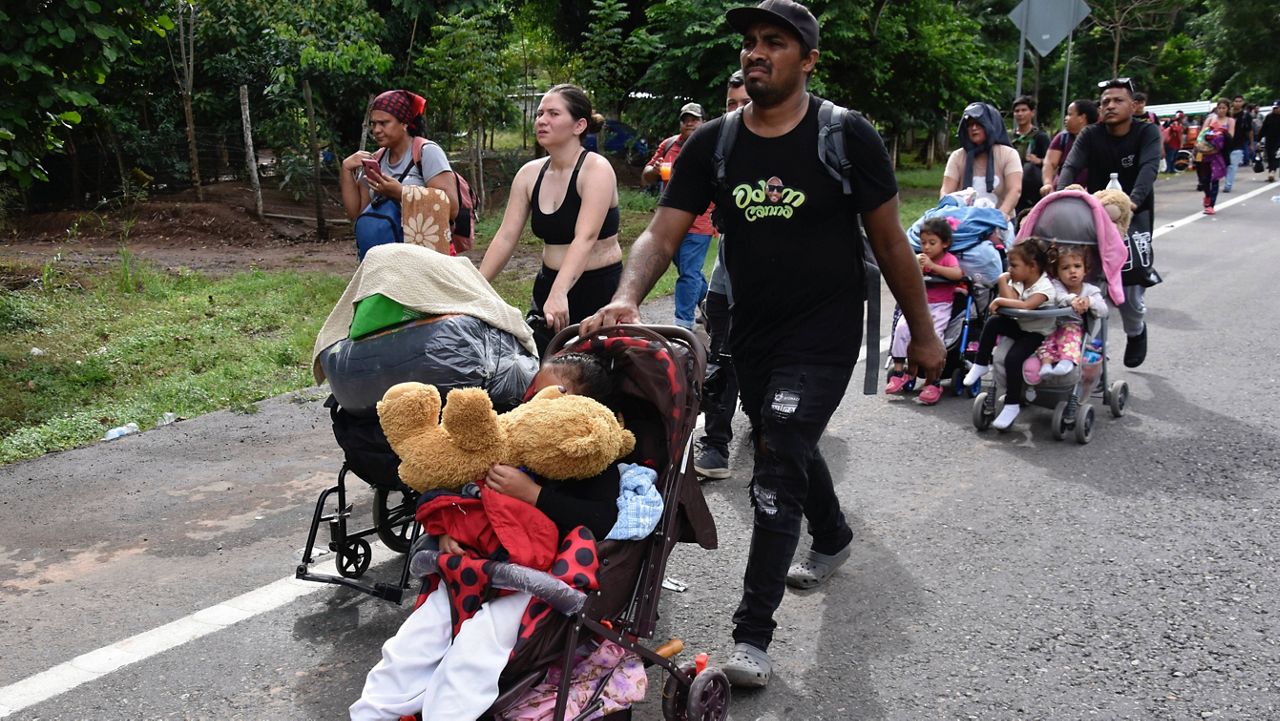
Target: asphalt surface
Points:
(995, 575)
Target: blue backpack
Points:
(377, 225)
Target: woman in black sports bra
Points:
(571, 199)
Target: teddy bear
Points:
(553, 435)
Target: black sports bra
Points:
(558, 228)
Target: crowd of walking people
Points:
(785, 300)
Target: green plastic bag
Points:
(377, 312)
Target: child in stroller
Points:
(1025, 286)
(1094, 224)
(425, 670)
(1062, 351)
(658, 374)
(940, 266)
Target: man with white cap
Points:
(691, 285)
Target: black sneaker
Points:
(1135, 350)
(712, 463)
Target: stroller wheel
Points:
(709, 696)
(675, 695)
(1059, 421)
(393, 517)
(354, 557)
(1119, 396)
(1084, 424)
(982, 416)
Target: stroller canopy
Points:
(1074, 216)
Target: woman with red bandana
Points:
(395, 119)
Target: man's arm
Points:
(1148, 167)
(902, 274)
(649, 258)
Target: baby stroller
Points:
(1076, 218)
(973, 231)
(660, 371)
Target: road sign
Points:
(1046, 23)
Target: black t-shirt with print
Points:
(791, 236)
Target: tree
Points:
(1179, 70)
(468, 78)
(1239, 40)
(1120, 18)
(54, 59)
(184, 73)
(618, 58)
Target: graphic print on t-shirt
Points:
(767, 199)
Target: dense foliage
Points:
(90, 93)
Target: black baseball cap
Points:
(787, 13)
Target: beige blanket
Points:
(423, 280)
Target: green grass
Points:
(921, 178)
(129, 343)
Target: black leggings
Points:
(1204, 171)
(1024, 345)
(593, 291)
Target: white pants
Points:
(422, 670)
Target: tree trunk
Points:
(115, 151)
(478, 179)
(192, 151)
(408, 55)
(364, 126)
(250, 155)
(1115, 54)
(928, 158)
(314, 144)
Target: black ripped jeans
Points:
(789, 408)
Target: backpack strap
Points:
(831, 146)
(724, 145)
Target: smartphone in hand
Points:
(371, 168)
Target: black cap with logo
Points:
(791, 15)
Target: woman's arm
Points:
(355, 193)
(514, 218)
(1012, 191)
(1051, 160)
(597, 186)
(949, 185)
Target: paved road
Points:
(996, 576)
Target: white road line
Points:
(1162, 230)
(100, 662)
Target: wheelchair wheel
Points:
(393, 518)
(353, 558)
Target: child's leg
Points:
(1070, 341)
(396, 686)
(1024, 344)
(901, 337)
(466, 683)
(997, 325)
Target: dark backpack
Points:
(463, 227)
(835, 158)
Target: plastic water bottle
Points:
(1114, 183)
(118, 431)
(1275, 199)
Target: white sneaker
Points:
(976, 373)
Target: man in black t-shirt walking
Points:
(1131, 150)
(793, 255)
(1033, 144)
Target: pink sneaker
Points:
(897, 383)
(1031, 370)
(930, 395)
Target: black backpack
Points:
(834, 157)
